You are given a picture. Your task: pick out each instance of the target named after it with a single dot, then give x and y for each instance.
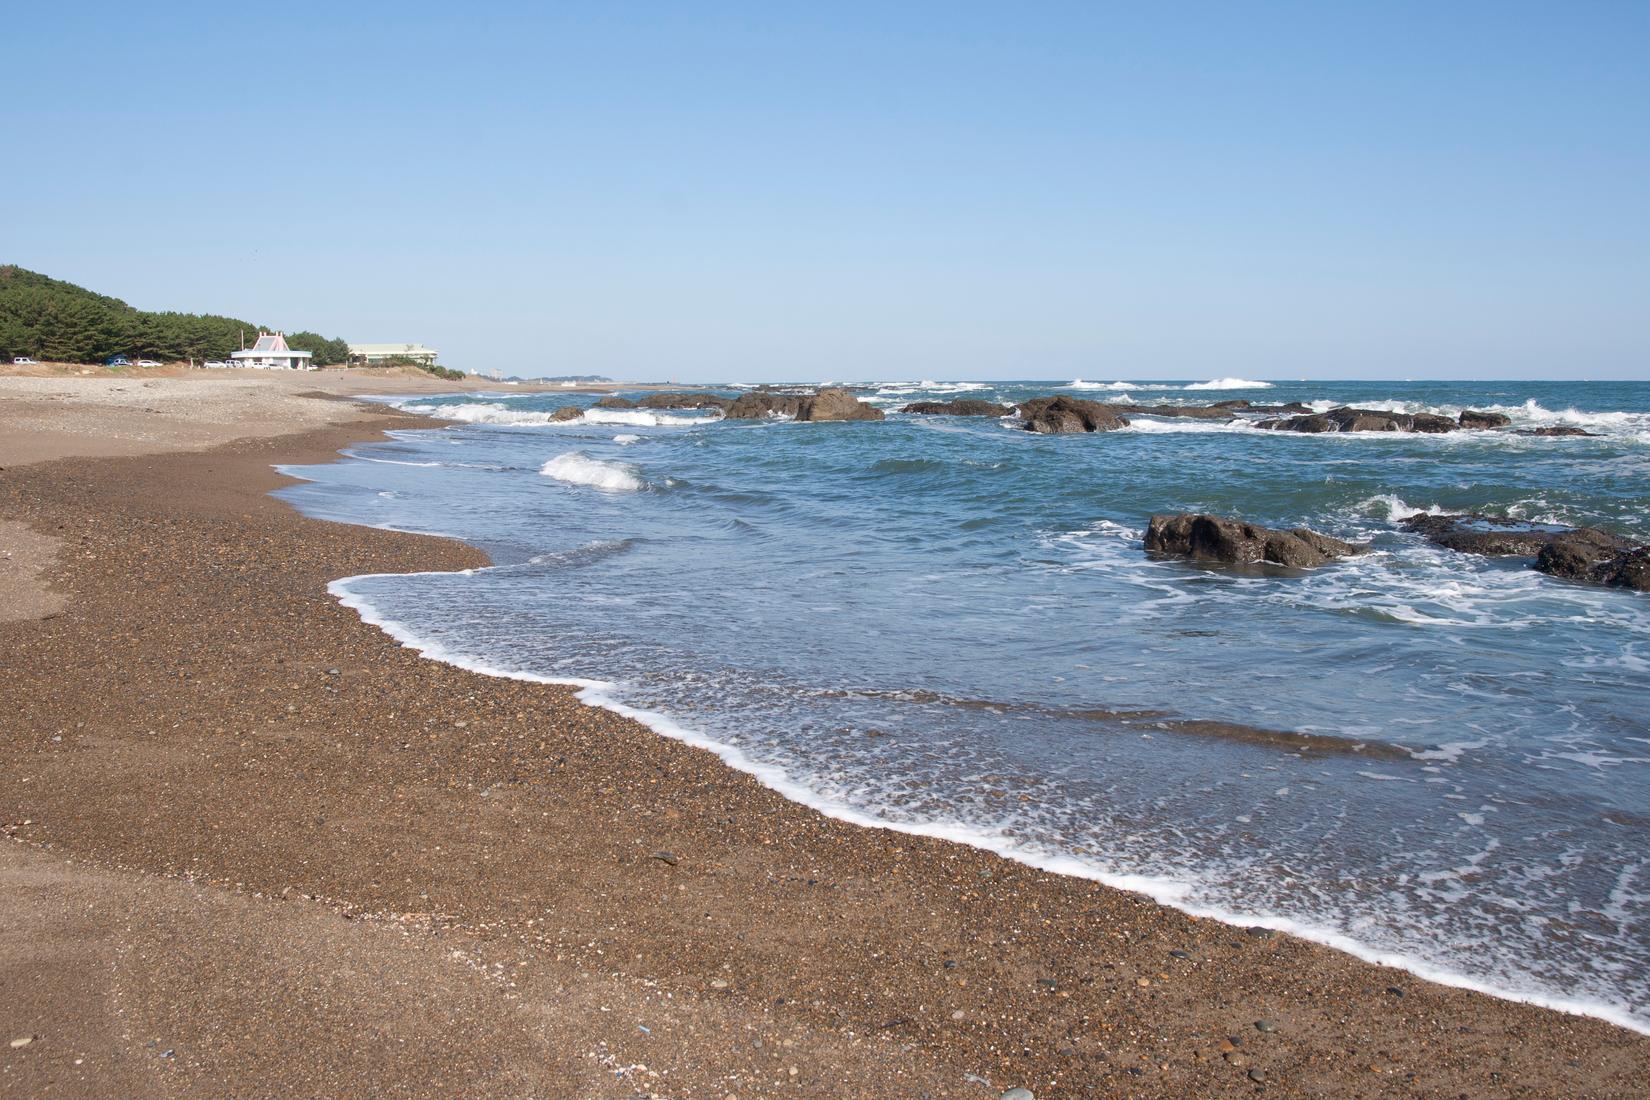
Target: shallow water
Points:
(949, 625)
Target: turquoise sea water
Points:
(950, 626)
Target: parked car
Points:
(117, 361)
(215, 364)
(22, 360)
(146, 363)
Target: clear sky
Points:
(890, 190)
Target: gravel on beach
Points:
(255, 846)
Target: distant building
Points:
(373, 354)
(271, 353)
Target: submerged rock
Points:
(1064, 415)
(1471, 533)
(968, 406)
(1215, 538)
(828, 404)
(1347, 419)
(1471, 418)
(1556, 430)
(1583, 561)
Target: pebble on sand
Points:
(1018, 1094)
(21, 1041)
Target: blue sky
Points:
(745, 192)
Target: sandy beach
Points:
(255, 847)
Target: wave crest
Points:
(578, 468)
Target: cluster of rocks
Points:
(830, 403)
(1583, 554)
(1203, 537)
(1349, 419)
(1063, 415)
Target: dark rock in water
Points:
(1471, 418)
(1063, 415)
(1477, 534)
(683, 401)
(1556, 430)
(1584, 561)
(1186, 412)
(567, 412)
(827, 404)
(1346, 419)
(612, 402)
(1215, 538)
(968, 406)
(1294, 408)
(837, 404)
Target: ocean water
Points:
(949, 626)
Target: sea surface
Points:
(950, 626)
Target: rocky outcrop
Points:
(1204, 537)
(967, 406)
(1471, 533)
(827, 404)
(1064, 415)
(1183, 412)
(567, 412)
(1583, 561)
(1292, 407)
(684, 401)
(1556, 430)
(1471, 418)
(613, 402)
(1347, 419)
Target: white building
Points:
(374, 354)
(271, 353)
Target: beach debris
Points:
(1018, 1094)
(1395, 991)
(718, 983)
(1203, 537)
(22, 1041)
(665, 857)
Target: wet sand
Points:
(255, 847)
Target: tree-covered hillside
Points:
(48, 319)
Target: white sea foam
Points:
(490, 412)
(1230, 384)
(1395, 508)
(1166, 891)
(1182, 425)
(640, 418)
(626, 440)
(1079, 384)
(578, 468)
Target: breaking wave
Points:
(577, 468)
(1230, 384)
